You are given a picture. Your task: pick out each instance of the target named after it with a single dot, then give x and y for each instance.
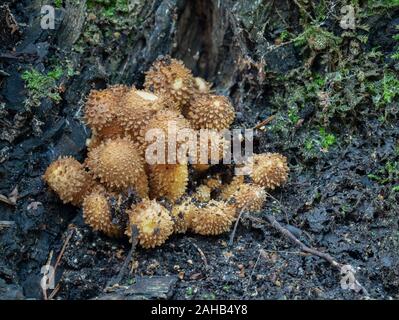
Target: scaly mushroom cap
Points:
(163, 123)
(171, 79)
(210, 112)
(249, 197)
(168, 180)
(97, 213)
(153, 222)
(68, 178)
(118, 165)
(203, 193)
(182, 215)
(214, 145)
(269, 170)
(101, 111)
(136, 109)
(228, 190)
(213, 219)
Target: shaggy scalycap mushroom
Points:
(214, 145)
(164, 123)
(210, 112)
(97, 213)
(118, 165)
(171, 79)
(101, 111)
(248, 197)
(136, 109)
(231, 188)
(168, 180)
(182, 215)
(153, 222)
(68, 178)
(269, 170)
(213, 219)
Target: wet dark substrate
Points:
(330, 203)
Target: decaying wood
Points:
(155, 287)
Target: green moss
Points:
(58, 3)
(383, 3)
(385, 90)
(41, 85)
(317, 38)
(389, 173)
(320, 142)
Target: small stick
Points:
(231, 240)
(119, 277)
(68, 238)
(6, 224)
(264, 122)
(5, 199)
(276, 225)
(203, 257)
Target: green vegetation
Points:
(396, 38)
(320, 142)
(387, 174)
(58, 3)
(384, 91)
(317, 38)
(110, 8)
(42, 86)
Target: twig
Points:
(339, 266)
(203, 257)
(60, 255)
(57, 262)
(264, 122)
(231, 240)
(304, 10)
(6, 224)
(112, 283)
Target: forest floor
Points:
(332, 93)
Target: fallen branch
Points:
(339, 266)
(202, 254)
(6, 224)
(57, 262)
(112, 284)
(264, 122)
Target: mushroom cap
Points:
(136, 109)
(182, 215)
(153, 222)
(249, 197)
(214, 218)
(203, 193)
(118, 165)
(212, 145)
(168, 180)
(228, 190)
(171, 79)
(68, 178)
(97, 213)
(269, 170)
(210, 111)
(164, 123)
(101, 111)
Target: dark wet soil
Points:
(332, 201)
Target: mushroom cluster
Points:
(117, 162)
